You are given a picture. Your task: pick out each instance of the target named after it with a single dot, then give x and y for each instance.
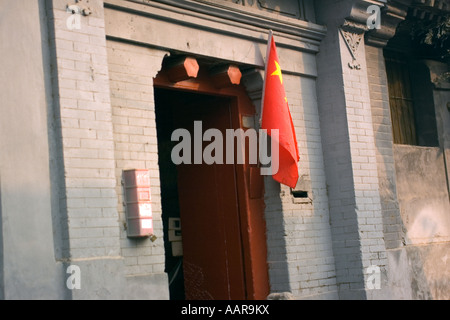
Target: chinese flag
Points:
(276, 115)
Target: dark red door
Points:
(212, 245)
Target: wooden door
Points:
(213, 263)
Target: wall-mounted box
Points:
(137, 202)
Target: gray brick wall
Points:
(86, 134)
(379, 99)
(300, 257)
(363, 161)
(351, 166)
(132, 69)
(299, 238)
(108, 125)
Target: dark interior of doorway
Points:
(164, 100)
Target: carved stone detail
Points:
(353, 34)
(355, 25)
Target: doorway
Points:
(212, 263)
(216, 261)
(220, 207)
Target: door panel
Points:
(212, 245)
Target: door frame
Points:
(250, 183)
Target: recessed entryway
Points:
(222, 253)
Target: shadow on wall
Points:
(276, 239)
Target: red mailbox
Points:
(137, 201)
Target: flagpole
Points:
(269, 43)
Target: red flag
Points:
(276, 115)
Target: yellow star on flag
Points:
(277, 72)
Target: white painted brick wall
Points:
(351, 163)
(379, 98)
(363, 160)
(301, 256)
(86, 130)
(299, 237)
(132, 69)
